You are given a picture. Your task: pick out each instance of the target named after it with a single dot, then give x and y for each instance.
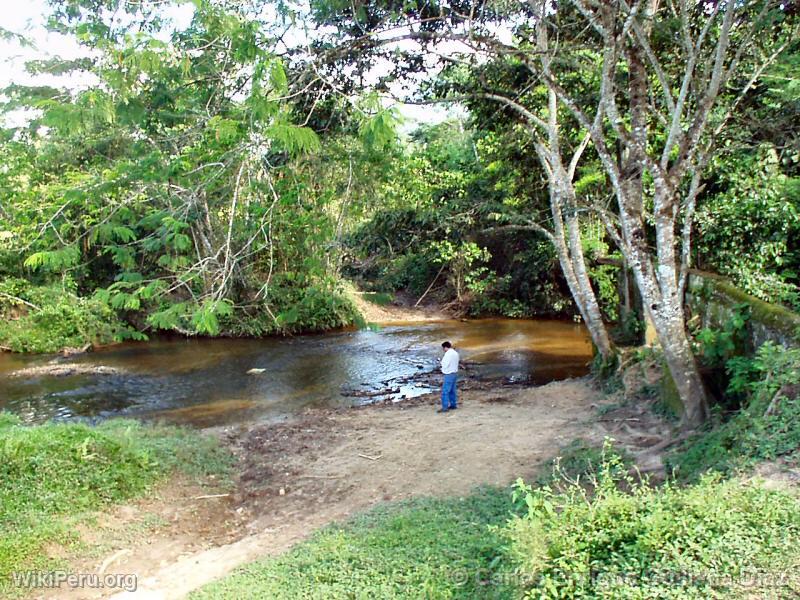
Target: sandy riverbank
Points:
(401, 310)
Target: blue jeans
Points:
(449, 391)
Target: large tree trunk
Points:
(574, 268)
(658, 283)
(683, 368)
(590, 311)
(663, 301)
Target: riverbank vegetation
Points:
(237, 206)
(211, 180)
(591, 529)
(55, 477)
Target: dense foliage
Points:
(51, 317)
(612, 536)
(207, 181)
(765, 428)
(178, 191)
(436, 230)
(747, 226)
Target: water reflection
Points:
(205, 382)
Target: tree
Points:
(559, 158)
(748, 219)
(656, 150)
(181, 187)
(651, 118)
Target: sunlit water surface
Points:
(204, 382)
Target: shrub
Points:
(767, 427)
(49, 318)
(295, 307)
(613, 537)
(577, 461)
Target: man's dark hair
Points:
(447, 345)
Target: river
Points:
(205, 382)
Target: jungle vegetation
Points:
(225, 179)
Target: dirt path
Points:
(295, 477)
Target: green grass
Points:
(424, 548)
(54, 476)
(379, 298)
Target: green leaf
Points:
(124, 234)
(122, 257)
(54, 260)
(288, 317)
(170, 317)
(206, 318)
(181, 242)
(293, 138)
(277, 76)
(379, 131)
(225, 130)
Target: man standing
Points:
(450, 371)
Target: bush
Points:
(613, 537)
(577, 461)
(296, 307)
(49, 318)
(50, 474)
(767, 427)
(413, 271)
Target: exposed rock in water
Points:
(370, 393)
(62, 370)
(255, 371)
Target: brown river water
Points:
(204, 382)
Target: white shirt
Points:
(450, 362)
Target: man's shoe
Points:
(452, 408)
(442, 410)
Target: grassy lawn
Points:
(54, 476)
(424, 548)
